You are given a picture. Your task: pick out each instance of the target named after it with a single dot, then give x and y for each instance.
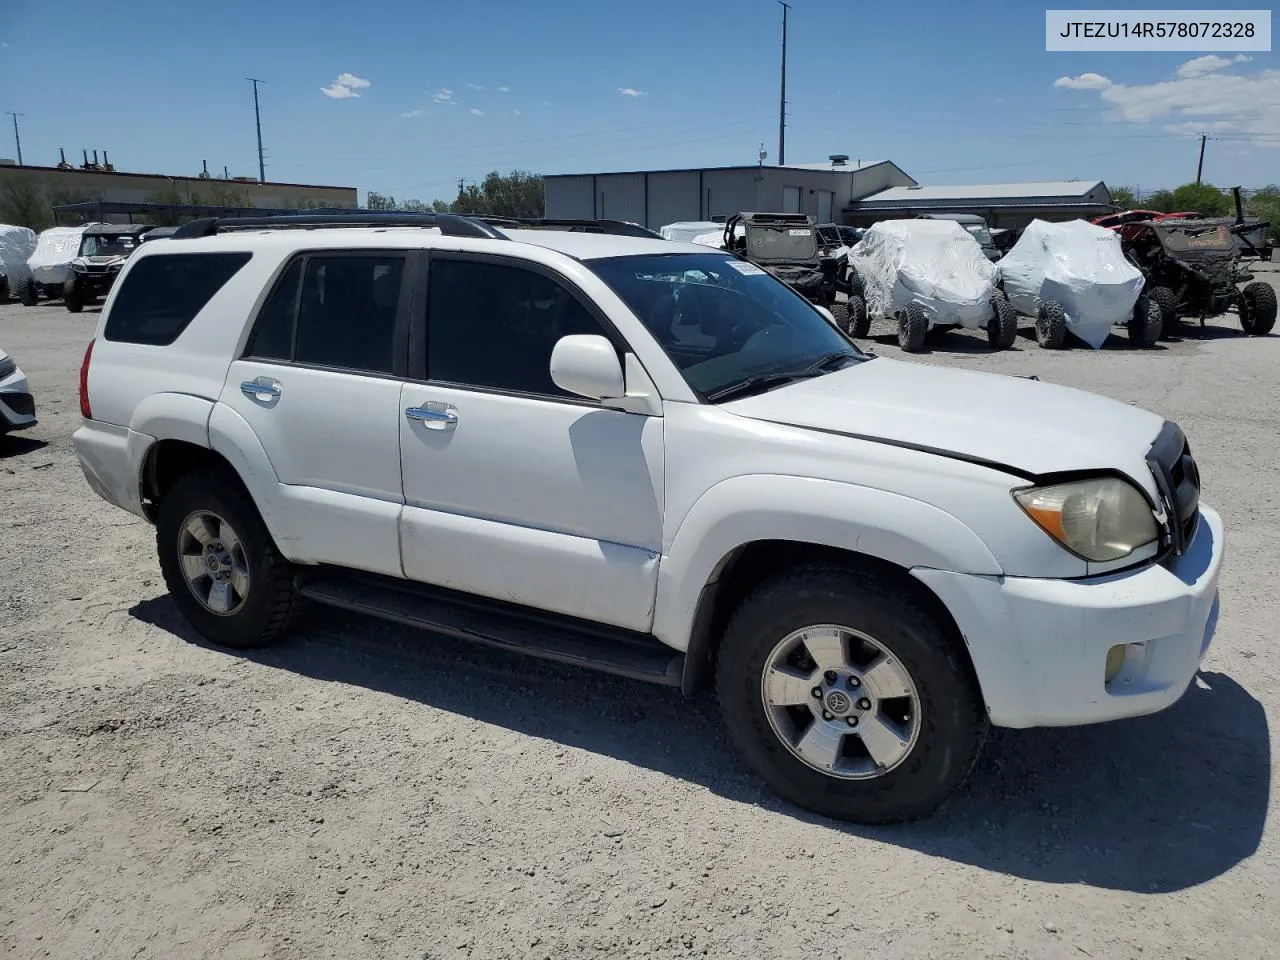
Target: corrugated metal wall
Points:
(673, 197)
(620, 196)
(568, 197)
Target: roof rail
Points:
(620, 228)
(449, 224)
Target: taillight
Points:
(85, 410)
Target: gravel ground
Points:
(367, 791)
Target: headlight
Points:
(79, 267)
(1101, 519)
(7, 366)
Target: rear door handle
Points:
(434, 415)
(262, 389)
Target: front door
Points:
(319, 386)
(513, 489)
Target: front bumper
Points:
(17, 406)
(1039, 647)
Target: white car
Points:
(17, 407)
(656, 460)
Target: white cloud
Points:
(475, 86)
(1201, 98)
(631, 92)
(443, 94)
(504, 89)
(1086, 81)
(345, 86)
(412, 113)
(515, 113)
(476, 112)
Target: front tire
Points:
(1257, 308)
(913, 324)
(1002, 328)
(1167, 300)
(851, 316)
(72, 298)
(1051, 325)
(220, 564)
(897, 723)
(1145, 323)
(25, 290)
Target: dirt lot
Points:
(366, 791)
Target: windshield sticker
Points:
(746, 269)
(799, 233)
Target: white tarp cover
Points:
(1081, 266)
(55, 249)
(16, 244)
(936, 263)
(713, 239)
(686, 230)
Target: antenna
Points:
(16, 139)
(257, 121)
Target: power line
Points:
(16, 138)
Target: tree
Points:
(517, 194)
(1123, 198)
(22, 203)
(1202, 198)
(1161, 200)
(1264, 203)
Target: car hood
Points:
(1031, 427)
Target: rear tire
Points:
(1168, 303)
(1258, 308)
(25, 290)
(851, 316)
(923, 701)
(261, 600)
(71, 295)
(913, 324)
(1002, 329)
(1051, 325)
(1145, 323)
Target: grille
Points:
(1178, 480)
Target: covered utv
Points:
(1192, 269)
(50, 264)
(786, 245)
(927, 275)
(16, 245)
(1073, 277)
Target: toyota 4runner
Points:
(657, 460)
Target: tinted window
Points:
(272, 337)
(160, 295)
(490, 325)
(347, 312)
(722, 321)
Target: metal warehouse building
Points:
(658, 197)
(1000, 204)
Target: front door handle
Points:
(434, 415)
(262, 389)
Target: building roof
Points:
(1045, 190)
(251, 182)
(851, 167)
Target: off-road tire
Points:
(954, 723)
(1051, 325)
(1168, 301)
(1002, 328)
(72, 297)
(1145, 323)
(913, 324)
(4, 289)
(851, 316)
(272, 600)
(1258, 308)
(25, 291)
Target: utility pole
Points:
(1200, 165)
(17, 139)
(782, 107)
(460, 181)
(257, 119)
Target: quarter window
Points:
(493, 325)
(162, 294)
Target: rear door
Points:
(319, 383)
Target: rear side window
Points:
(332, 310)
(162, 294)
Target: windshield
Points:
(721, 320)
(92, 245)
(979, 233)
(781, 243)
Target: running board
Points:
(506, 626)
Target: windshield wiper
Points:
(764, 381)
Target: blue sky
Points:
(406, 97)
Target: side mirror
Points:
(587, 364)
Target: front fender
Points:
(905, 532)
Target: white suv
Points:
(653, 459)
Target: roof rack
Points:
(619, 228)
(449, 224)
